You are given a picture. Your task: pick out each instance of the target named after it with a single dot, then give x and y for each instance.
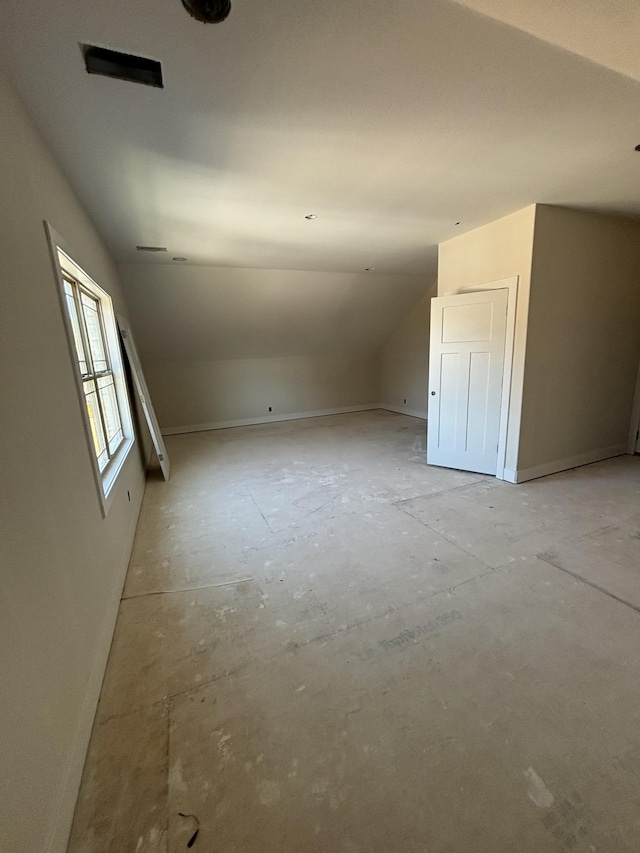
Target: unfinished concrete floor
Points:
(325, 645)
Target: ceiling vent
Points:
(208, 11)
(122, 66)
(151, 248)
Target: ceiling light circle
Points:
(208, 11)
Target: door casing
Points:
(633, 443)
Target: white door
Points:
(466, 363)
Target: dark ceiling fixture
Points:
(122, 66)
(208, 11)
(151, 248)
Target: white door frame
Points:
(634, 426)
(510, 284)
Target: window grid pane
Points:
(95, 420)
(115, 442)
(90, 309)
(75, 326)
(109, 403)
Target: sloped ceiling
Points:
(199, 313)
(607, 33)
(390, 121)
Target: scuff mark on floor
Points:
(538, 791)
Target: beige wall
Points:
(189, 313)
(404, 361)
(502, 249)
(221, 345)
(209, 393)
(61, 562)
(583, 340)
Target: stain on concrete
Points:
(537, 790)
(417, 632)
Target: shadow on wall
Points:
(404, 361)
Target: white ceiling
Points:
(390, 121)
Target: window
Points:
(93, 340)
(98, 383)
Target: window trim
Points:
(105, 479)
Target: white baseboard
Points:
(269, 419)
(70, 785)
(402, 410)
(524, 474)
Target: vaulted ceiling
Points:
(392, 122)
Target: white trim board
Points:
(555, 467)
(402, 410)
(634, 426)
(269, 419)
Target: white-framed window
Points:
(95, 349)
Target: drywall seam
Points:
(70, 784)
(524, 474)
(402, 410)
(269, 419)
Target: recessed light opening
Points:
(122, 66)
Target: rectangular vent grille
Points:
(151, 248)
(122, 66)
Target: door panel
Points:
(466, 365)
(466, 323)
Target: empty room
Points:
(320, 466)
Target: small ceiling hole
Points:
(311, 216)
(122, 66)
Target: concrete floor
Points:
(325, 645)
